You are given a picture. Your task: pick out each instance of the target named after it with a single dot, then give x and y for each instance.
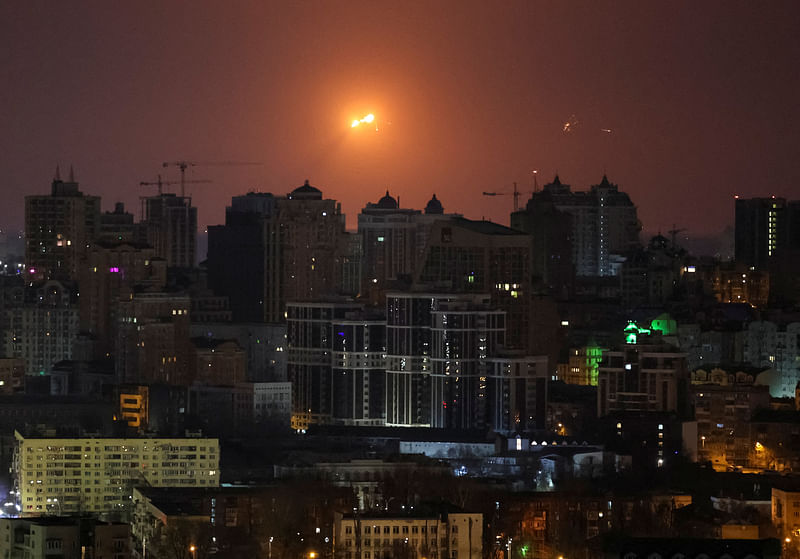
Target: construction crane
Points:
(160, 183)
(674, 233)
(515, 193)
(182, 165)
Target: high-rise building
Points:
(388, 234)
(464, 333)
(276, 249)
(603, 226)
(153, 339)
(119, 227)
(170, 224)
(97, 475)
(244, 258)
(59, 228)
(108, 273)
(311, 229)
(43, 328)
(517, 392)
(761, 228)
(335, 363)
(466, 256)
(446, 367)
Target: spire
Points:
(58, 173)
(556, 180)
(71, 174)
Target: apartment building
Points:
(55, 475)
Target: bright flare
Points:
(367, 119)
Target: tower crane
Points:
(674, 233)
(160, 183)
(182, 165)
(515, 193)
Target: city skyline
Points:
(693, 103)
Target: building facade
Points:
(435, 536)
(642, 377)
(58, 229)
(170, 226)
(93, 475)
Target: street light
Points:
(192, 550)
(270, 547)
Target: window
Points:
(395, 529)
(405, 529)
(348, 529)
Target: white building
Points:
(767, 344)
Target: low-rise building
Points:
(430, 534)
(63, 537)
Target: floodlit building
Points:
(770, 344)
(446, 535)
(581, 366)
(76, 475)
(641, 376)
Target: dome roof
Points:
(387, 203)
(434, 206)
(305, 192)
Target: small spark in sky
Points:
(606, 130)
(570, 125)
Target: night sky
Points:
(701, 100)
